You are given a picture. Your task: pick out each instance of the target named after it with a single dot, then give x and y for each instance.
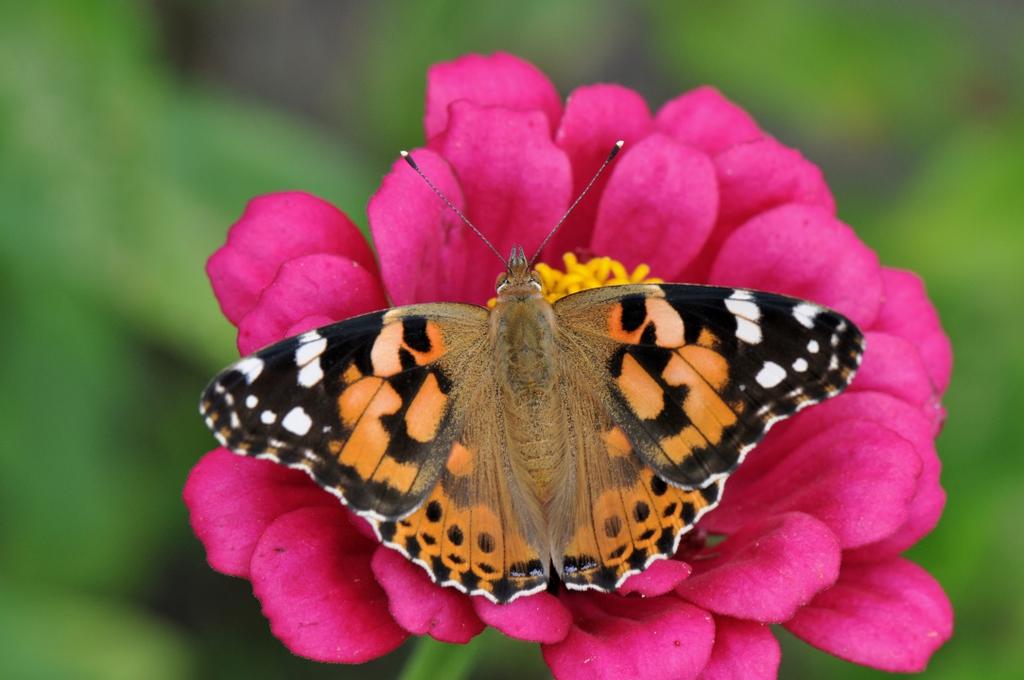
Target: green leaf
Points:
(859, 71)
(61, 634)
(126, 180)
(431, 659)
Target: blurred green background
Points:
(132, 134)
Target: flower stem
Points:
(431, 659)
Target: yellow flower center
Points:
(594, 273)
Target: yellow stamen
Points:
(594, 273)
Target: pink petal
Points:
(744, 650)
(659, 578)
(323, 285)
(617, 637)
(274, 229)
(909, 313)
(500, 79)
(894, 366)
(895, 415)
(765, 174)
(311, 571)
(421, 606)
(923, 514)
(659, 206)
(803, 251)
(707, 120)
(424, 248)
(766, 570)
(515, 181)
(755, 177)
(889, 615)
(596, 116)
(534, 618)
(232, 500)
(857, 477)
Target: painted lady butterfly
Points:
(499, 449)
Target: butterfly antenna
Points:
(412, 164)
(614, 152)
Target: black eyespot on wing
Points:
(612, 526)
(455, 535)
(485, 542)
(658, 486)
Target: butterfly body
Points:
(494, 446)
(527, 365)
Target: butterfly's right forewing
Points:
(695, 375)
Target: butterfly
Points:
(506, 449)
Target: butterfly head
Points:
(518, 280)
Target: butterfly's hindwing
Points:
(697, 374)
(469, 533)
(616, 515)
(363, 405)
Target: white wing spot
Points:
(744, 308)
(311, 373)
(748, 331)
(250, 367)
(835, 340)
(805, 313)
(813, 347)
(251, 401)
(833, 363)
(235, 422)
(313, 345)
(770, 375)
(800, 365)
(740, 294)
(268, 417)
(297, 421)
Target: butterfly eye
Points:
(502, 280)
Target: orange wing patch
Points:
(642, 392)
(703, 406)
(616, 443)
(425, 413)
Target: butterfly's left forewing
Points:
(363, 406)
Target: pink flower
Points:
(813, 523)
